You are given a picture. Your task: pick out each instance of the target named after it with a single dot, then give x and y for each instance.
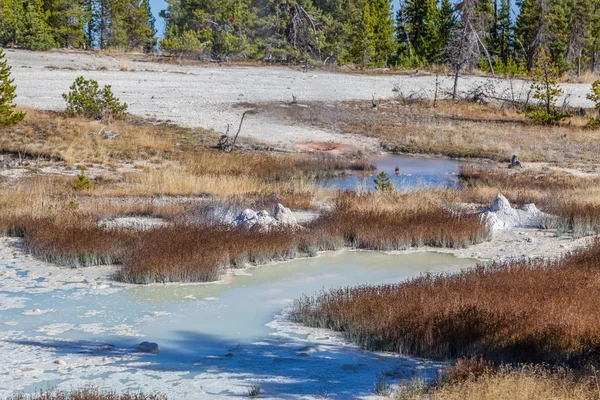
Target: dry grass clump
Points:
(455, 130)
(49, 135)
(396, 221)
(200, 254)
(173, 253)
(522, 311)
(87, 393)
(72, 240)
(529, 382)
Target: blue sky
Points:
(158, 5)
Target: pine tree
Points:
(67, 20)
(558, 20)
(383, 183)
(11, 22)
(7, 94)
(580, 27)
(544, 75)
(37, 34)
(594, 50)
(446, 26)
(502, 47)
(528, 38)
(130, 25)
(363, 49)
(419, 25)
(383, 32)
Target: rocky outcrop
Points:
(501, 215)
(282, 217)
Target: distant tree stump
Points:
(514, 162)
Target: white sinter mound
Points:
(500, 215)
(282, 216)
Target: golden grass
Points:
(48, 135)
(528, 383)
(175, 180)
(168, 160)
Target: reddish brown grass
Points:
(193, 254)
(88, 393)
(523, 311)
(397, 221)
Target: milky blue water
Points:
(214, 338)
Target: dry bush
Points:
(522, 311)
(71, 240)
(87, 393)
(395, 221)
(173, 253)
(467, 368)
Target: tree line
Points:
(489, 34)
(82, 24)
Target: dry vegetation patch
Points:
(194, 248)
(161, 159)
(396, 221)
(87, 393)
(522, 311)
(452, 129)
(528, 382)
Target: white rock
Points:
(264, 220)
(148, 347)
(285, 216)
(500, 215)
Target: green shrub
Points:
(546, 91)
(88, 100)
(82, 182)
(7, 94)
(509, 69)
(383, 183)
(595, 97)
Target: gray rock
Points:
(246, 219)
(148, 347)
(285, 216)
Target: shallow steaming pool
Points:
(57, 330)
